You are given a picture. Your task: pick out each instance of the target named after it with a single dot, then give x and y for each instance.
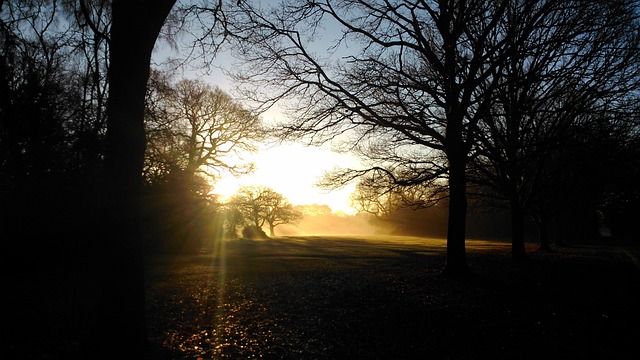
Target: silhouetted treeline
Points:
(489, 221)
(576, 170)
(53, 96)
(51, 142)
(529, 103)
(432, 222)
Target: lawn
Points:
(358, 298)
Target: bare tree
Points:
(260, 205)
(577, 64)
(37, 107)
(121, 312)
(115, 42)
(280, 211)
(421, 78)
(412, 86)
(379, 196)
(91, 28)
(195, 128)
(134, 28)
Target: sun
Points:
(292, 170)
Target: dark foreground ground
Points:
(355, 298)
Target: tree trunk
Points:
(272, 230)
(560, 230)
(543, 233)
(120, 326)
(517, 231)
(456, 265)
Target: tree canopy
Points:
(420, 89)
(261, 205)
(527, 104)
(197, 129)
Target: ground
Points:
(357, 298)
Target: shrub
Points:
(253, 232)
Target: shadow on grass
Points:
(354, 297)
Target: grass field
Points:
(358, 297)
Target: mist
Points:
(334, 224)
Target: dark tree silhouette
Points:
(379, 195)
(195, 132)
(422, 78)
(54, 63)
(41, 177)
(568, 72)
(121, 311)
(260, 205)
(198, 129)
(279, 212)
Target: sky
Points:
(291, 169)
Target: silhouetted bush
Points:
(253, 232)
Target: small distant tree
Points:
(262, 205)
(280, 211)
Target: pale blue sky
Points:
(290, 169)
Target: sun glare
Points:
(293, 170)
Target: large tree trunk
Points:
(456, 265)
(517, 231)
(120, 327)
(543, 233)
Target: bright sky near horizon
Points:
(291, 169)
